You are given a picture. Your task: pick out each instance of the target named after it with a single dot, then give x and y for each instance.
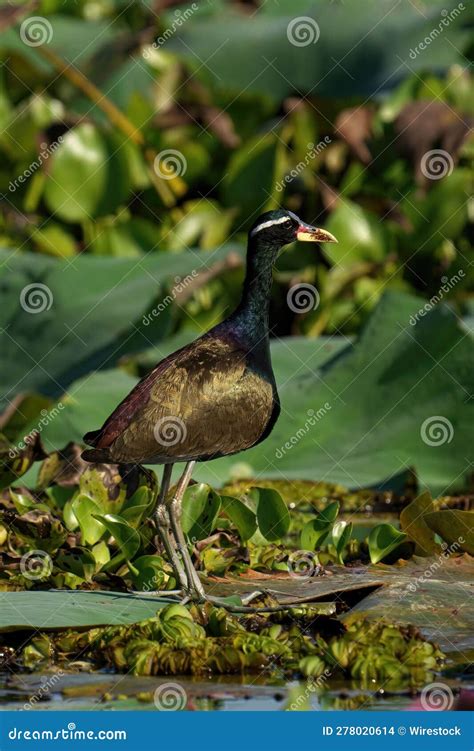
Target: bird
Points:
(214, 397)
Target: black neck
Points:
(252, 313)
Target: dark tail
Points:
(97, 456)
(92, 437)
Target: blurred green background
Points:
(138, 143)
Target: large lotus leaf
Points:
(371, 40)
(73, 609)
(73, 38)
(434, 594)
(81, 316)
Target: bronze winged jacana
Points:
(216, 396)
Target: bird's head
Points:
(281, 227)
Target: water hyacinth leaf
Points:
(383, 539)
(240, 515)
(148, 574)
(143, 496)
(127, 538)
(101, 554)
(454, 527)
(201, 505)
(134, 515)
(341, 534)
(78, 561)
(24, 503)
(69, 517)
(85, 510)
(88, 175)
(15, 461)
(412, 521)
(316, 530)
(272, 514)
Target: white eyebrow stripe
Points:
(270, 223)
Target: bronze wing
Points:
(202, 402)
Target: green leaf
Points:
(249, 178)
(85, 510)
(240, 515)
(87, 315)
(358, 231)
(201, 505)
(134, 515)
(149, 574)
(341, 534)
(88, 175)
(316, 530)
(412, 521)
(454, 527)
(78, 561)
(101, 554)
(272, 514)
(382, 540)
(332, 34)
(73, 609)
(127, 538)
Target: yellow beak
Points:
(308, 234)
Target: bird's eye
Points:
(288, 224)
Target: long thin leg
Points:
(163, 524)
(175, 510)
